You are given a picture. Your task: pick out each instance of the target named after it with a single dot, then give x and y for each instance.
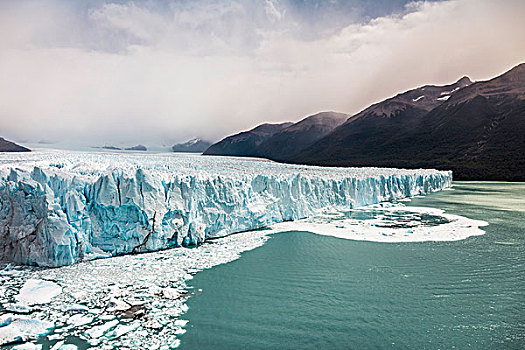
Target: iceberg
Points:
(36, 291)
(15, 329)
(58, 208)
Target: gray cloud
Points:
(157, 72)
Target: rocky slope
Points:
(476, 130)
(291, 140)
(244, 144)
(8, 146)
(279, 141)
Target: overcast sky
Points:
(158, 72)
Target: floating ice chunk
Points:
(121, 330)
(79, 320)
(13, 329)
(18, 308)
(98, 331)
(57, 345)
(68, 347)
(106, 317)
(27, 346)
(61, 346)
(170, 293)
(36, 291)
(179, 331)
(77, 307)
(181, 323)
(117, 305)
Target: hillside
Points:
(244, 144)
(8, 146)
(476, 131)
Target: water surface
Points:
(305, 291)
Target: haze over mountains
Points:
(474, 129)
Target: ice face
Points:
(58, 208)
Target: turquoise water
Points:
(304, 291)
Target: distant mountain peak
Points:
(195, 145)
(464, 81)
(419, 100)
(279, 141)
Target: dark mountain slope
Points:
(378, 127)
(477, 132)
(8, 146)
(244, 144)
(289, 141)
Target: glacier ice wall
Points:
(58, 208)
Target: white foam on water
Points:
(388, 223)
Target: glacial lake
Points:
(459, 284)
(305, 291)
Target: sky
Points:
(158, 72)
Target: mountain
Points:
(137, 148)
(278, 141)
(8, 146)
(474, 129)
(286, 143)
(244, 144)
(192, 146)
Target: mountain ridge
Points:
(474, 129)
(477, 133)
(8, 146)
(194, 145)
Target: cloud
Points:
(157, 72)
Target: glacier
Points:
(61, 207)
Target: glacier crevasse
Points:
(59, 208)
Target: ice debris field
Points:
(61, 207)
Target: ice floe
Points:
(37, 291)
(15, 329)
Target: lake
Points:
(306, 291)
